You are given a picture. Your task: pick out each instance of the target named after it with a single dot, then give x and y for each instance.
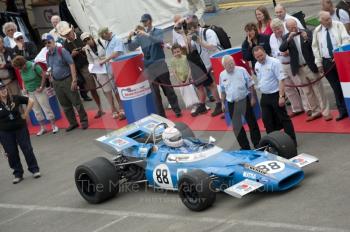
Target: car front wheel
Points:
(97, 180)
(196, 191)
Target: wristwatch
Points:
(282, 96)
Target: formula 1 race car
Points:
(195, 168)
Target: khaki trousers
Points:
(69, 99)
(41, 103)
(315, 92)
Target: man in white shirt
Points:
(339, 15)
(281, 13)
(271, 85)
(327, 37)
(178, 31)
(237, 89)
(298, 102)
(205, 45)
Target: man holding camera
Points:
(151, 42)
(204, 45)
(74, 45)
(302, 63)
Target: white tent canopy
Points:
(122, 16)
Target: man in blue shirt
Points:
(64, 80)
(270, 82)
(236, 85)
(151, 42)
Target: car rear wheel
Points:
(185, 130)
(279, 143)
(195, 190)
(97, 180)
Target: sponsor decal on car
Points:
(249, 175)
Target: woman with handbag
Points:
(14, 133)
(34, 83)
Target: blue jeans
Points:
(10, 140)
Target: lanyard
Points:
(9, 109)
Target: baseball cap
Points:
(145, 17)
(47, 36)
(17, 34)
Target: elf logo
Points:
(134, 91)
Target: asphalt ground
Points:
(52, 203)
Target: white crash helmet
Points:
(172, 137)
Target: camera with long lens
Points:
(194, 37)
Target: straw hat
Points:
(64, 28)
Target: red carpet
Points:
(207, 123)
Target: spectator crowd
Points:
(286, 60)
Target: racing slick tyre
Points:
(97, 180)
(195, 190)
(185, 130)
(279, 143)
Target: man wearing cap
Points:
(151, 42)
(64, 79)
(114, 48)
(86, 81)
(23, 48)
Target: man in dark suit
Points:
(299, 44)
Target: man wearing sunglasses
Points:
(23, 48)
(64, 80)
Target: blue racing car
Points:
(167, 155)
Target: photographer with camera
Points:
(200, 47)
(151, 42)
(302, 63)
(86, 81)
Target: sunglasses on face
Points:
(19, 38)
(47, 42)
(87, 39)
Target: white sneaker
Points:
(17, 180)
(54, 129)
(115, 115)
(37, 175)
(41, 132)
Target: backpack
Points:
(59, 51)
(224, 39)
(344, 6)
